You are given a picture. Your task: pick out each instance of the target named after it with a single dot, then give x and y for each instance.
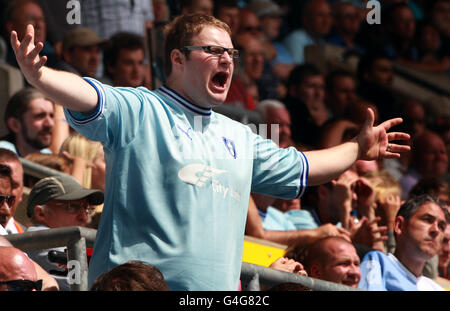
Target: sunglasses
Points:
(10, 199)
(75, 207)
(22, 285)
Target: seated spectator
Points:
(340, 93)
(17, 272)
(56, 202)
(87, 165)
(432, 186)
(123, 60)
(305, 101)
(256, 69)
(6, 198)
(18, 15)
(278, 120)
(444, 256)
(7, 251)
(11, 160)
(428, 159)
(270, 17)
(81, 49)
(346, 25)
(197, 6)
(133, 275)
(400, 26)
(317, 22)
(106, 17)
(419, 231)
(228, 12)
(29, 118)
(331, 259)
(437, 13)
(375, 79)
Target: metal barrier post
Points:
(77, 265)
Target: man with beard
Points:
(29, 118)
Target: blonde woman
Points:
(87, 165)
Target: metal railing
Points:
(76, 239)
(253, 276)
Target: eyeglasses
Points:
(213, 49)
(75, 207)
(10, 199)
(22, 285)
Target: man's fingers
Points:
(41, 62)
(15, 43)
(35, 52)
(390, 123)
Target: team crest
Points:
(230, 146)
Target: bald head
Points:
(15, 265)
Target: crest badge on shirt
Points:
(230, 146)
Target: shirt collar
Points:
(179, 99)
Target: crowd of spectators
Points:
(357, 219)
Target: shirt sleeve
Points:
(116, 119)
(372, 272)
(277, 171)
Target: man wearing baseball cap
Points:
(54, 202)
(81, 52)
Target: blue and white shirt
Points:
(381, 272)
(178, 180)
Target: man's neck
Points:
(25, 149)
(414, 264)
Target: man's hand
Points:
(374, 141)
(27, 54)
(288, 265)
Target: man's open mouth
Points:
(220, 79)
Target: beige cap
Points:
(81, 36)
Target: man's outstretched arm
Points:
(65, 88)
(370, 144)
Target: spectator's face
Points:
(343, 94)
(37, 124)
(404, 24)
(415, 118)
(280, 117)
(347, 19)
(5, 208)
(422, 235)
(129, 70)
(271, 26)
(16, 186)
(444, 253)
(429, 39)
(206, 78)
(253, 57)
(382, 73)
(230, 16)
(432, 159)
(312, 89)
(29, 13)
(85, 59)
(59, 214)
(203, 7)
(440, 16)
(249, 23)
(318, 20)
(342, 266)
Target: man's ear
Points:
(14, 125)
(315, 271)
(40, 214)
(178, 59)
(399, 225)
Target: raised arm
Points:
(370, 144)
(65, 88)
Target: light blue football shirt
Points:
(178, 180)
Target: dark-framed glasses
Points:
(213, 49)
(10, 199)
(22, 285)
